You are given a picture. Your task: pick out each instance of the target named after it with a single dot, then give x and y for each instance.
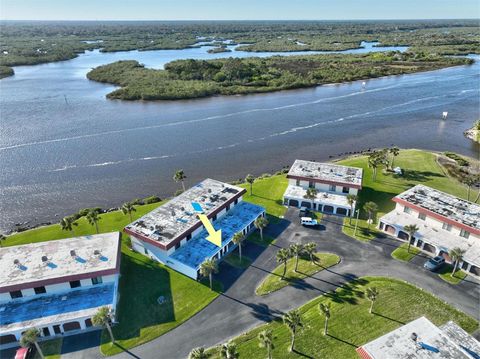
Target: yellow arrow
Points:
(213, 236)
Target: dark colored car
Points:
(434, 263)
(304, 211)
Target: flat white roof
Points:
(170, 220)
(328, 172)
(443, 204)
(437, 236)
(432, 342)
(43, 261)
(298, 193)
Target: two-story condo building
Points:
(444, 222)
(332, 182)
(173, 234)
(57, 286)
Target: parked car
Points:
(434, 263)
(308, 221)
(304, 211)
(25, 353)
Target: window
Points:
(145, 250)
(422, 216)
(189, 236)
(97, 280)
(333, 188)
(177, 245)
(40, 290)
(214, 218)
(16, 294)
(407, 209)
(75, 284)
(447, 227)
(228, 207)
(298, 183)
(311, 184)
(464, 233)
(236, 201)
(345, 190)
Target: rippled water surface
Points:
(63, 146)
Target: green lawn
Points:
(142, 282)
(50, 349)
(350, 324)
(234, 260)
(446, 274)
(306, 268)
(255, 238)
(268, 193)
(402, 253)
(420, 167)
(141, 318)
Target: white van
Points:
(308, 221)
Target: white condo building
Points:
(444, 222)
(57, 286)
(174, 235)
(332, 182)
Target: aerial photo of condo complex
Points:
(195, 180)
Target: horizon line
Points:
(241, 20)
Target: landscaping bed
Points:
(306, 268)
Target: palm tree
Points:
(468, 181)
(29, 337)
(372, 295)
(250, 179)
(103, 318)
(238, 239)
(376, 159)
(128, 207)
(93, 218)
(325, 310)
(67, 223)
(295, 251)
(311, 193)
(457, 255)
(229, 351)
(2, 238)
(282, 257)
(198, 353)
(411, 229)
(309, 249)
(179, 176)
(266, 341)
(293, 321)
(371, 208)
(394, 151)
(351, 199)
(207, 269)
(260, 223)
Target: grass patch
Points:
(446, 274)
(420, 167)
(268, 193)
(402, 253)
(364, 232)
(234, 260)
(350, 324)
(306, 268)
(255, 238)
(51, 349)
(183, 296)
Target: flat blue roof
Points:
(195, 251)
(44, 306)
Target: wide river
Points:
(63, 146)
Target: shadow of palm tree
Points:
(389, 318)
(341, 340)
(126, 351)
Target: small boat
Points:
(444, 115)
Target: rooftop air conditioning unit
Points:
(97, 252)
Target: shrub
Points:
(151, 199)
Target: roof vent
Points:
(172, 213)
(97, 252)
(16, 262)
(44, 259)
(72, 253)
(209, 190)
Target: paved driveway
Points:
(238, 309)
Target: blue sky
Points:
(236, 10)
